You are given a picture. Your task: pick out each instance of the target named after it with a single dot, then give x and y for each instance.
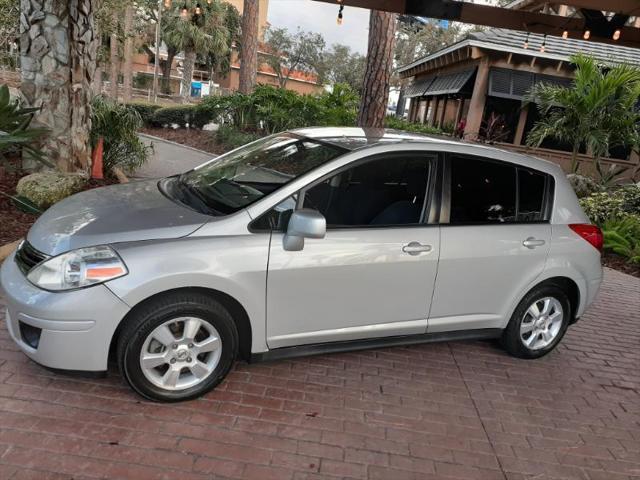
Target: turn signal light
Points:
(590, 233)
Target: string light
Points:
(616, 34)
(544, 43)
(565, 34)
(167, 3)
(526, 42)
(198, 10)
(587, 34)
(184, 13)
(340, 16)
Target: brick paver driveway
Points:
(459, 410)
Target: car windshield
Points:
(243, 176)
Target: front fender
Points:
(235, 266)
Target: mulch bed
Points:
(616, 262)
(200, 139)
(16, 223)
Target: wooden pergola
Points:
(607, 21)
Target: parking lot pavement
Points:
(169, 158)
(451, 410)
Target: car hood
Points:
(118, 213)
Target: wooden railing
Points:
(586, 162)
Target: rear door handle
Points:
(416, 248)
(532, 243)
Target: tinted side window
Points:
(388, 191)
(482, 191)
(531, 189)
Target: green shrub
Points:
(270, 109)
(118, 124)
(400, 124)
(622, 236)
(339, 107)
(181, 115)
(145, 110)
(15, 134)
(233, 138)
(613, 204)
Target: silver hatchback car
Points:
(310, 241)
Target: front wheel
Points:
(177, 347)
(538, 323)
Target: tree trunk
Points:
(127, 69)
(114, 61)
(58, 58)
(375, 91)
(187, 73)
(249, 54)
(166, 72)
(97, 83)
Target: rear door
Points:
(495, 237)
(373, 274)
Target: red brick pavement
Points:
(458, 410)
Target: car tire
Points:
(192, 338)
(529, 335)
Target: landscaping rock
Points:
(46, 188)
(582, 185)
(211, 127)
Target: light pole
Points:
(157, 59)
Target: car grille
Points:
(28, 257)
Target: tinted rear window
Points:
(486, 191)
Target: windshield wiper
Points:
(195, 194)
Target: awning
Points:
(418, 87)
(450, 83)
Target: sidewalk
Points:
(169, 158)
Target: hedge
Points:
(181, 115)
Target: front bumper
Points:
(73, 329)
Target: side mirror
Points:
(304, 223)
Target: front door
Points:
(495, 242)
(373, 274)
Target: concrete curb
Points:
(176, 144)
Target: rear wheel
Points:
(177, 347)
(538, 323)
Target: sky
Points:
(321, 17)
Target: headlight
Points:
(79, 268)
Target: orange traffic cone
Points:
(97, 171)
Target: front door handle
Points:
(416, 248)
(532, 243)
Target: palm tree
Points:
(57, 73)
(597, 112)
(193, 32)
(249, 57)
(375, 90)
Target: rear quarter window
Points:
(485, 191)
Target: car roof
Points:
(354, 138)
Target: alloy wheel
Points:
(180, 353)
(541, 323)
